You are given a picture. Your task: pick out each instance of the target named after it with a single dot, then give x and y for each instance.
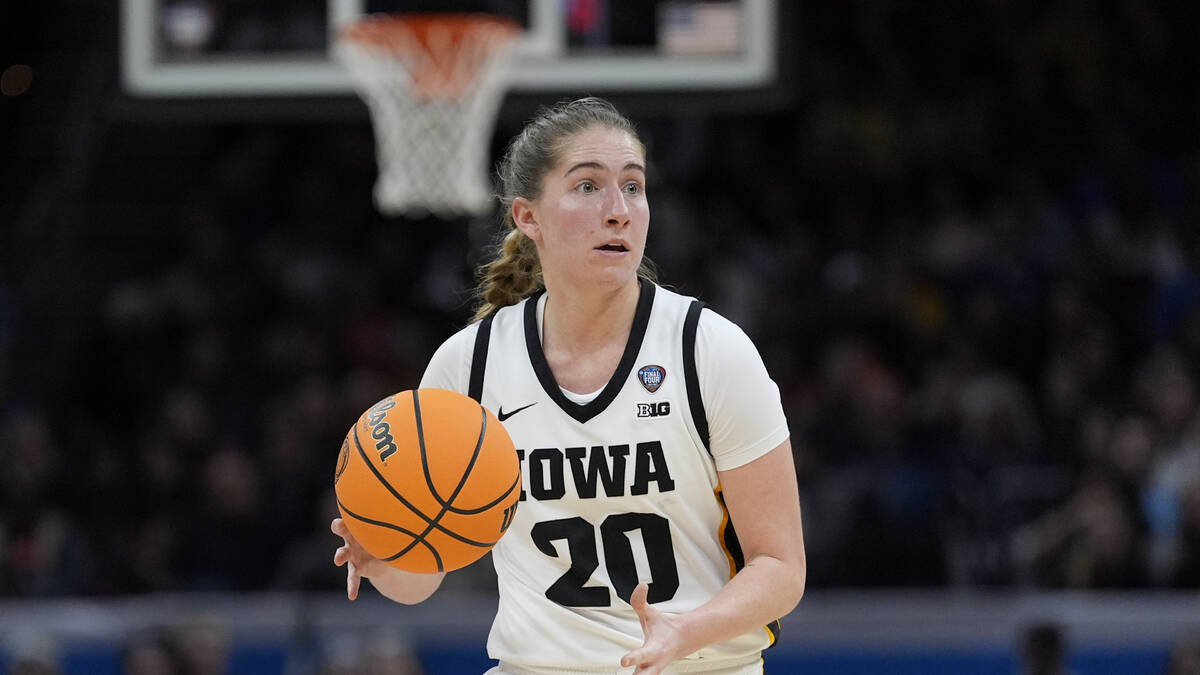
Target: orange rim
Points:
(391, 30)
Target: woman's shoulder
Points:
(509, 314)
(450, 365)
(459, 342)
(717, 338)
(712, 326)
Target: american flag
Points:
(700, 28)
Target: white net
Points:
(433, 87)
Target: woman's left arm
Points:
(764, 506)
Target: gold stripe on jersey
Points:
(733, 551)
(727, 537)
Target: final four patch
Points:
(652, 377)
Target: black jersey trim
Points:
(691, 377)
(728, 539)
(479, 358)
(773, 631)
(537, 358)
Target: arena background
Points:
(964, 236)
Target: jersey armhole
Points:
(691, 377)
(479, 358)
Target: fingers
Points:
(638, 601)
(342, 556)
(352, 581)
(338, 527)
(638, 598)
(643, 661)
(652, 657)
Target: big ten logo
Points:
(654, 409)
(381, 431)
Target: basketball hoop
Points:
(433, 84)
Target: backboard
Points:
(280, 48)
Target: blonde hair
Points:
(515, 271)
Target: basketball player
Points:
(659, 525)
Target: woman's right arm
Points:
(404, 587)
(449, 368)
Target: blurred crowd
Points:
(205, 644)
(969, 254)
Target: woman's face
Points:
(591, 219)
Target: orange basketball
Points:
(427, 480)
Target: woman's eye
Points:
(633, 188)
(586, 187)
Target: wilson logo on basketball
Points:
(343, 459)
(449, 490)
(508, 517)
(381, 431)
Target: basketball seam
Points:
(429, 479)
(391, 526)
(485, 507)
(383, 481)
(445, 503)
(448, 504)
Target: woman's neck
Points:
(584, 335)
(580, 322)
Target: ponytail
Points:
(513, 273)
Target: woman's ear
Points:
(523, 217)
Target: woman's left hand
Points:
(664, 640)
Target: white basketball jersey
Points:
(615, 491)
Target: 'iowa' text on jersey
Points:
(596, 467)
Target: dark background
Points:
(964, 238)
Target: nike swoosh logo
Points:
(505, 415)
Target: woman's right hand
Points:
(358, 562)
(405, 587)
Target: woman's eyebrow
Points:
(598, 165)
